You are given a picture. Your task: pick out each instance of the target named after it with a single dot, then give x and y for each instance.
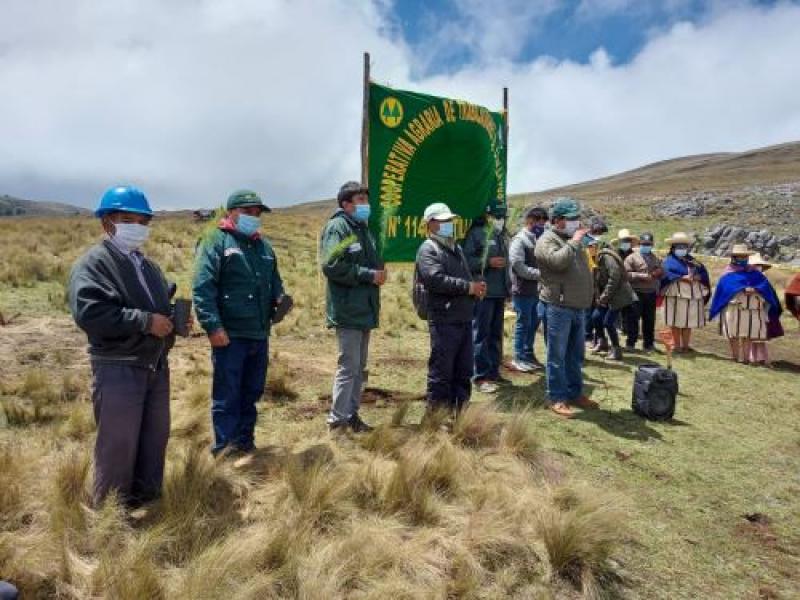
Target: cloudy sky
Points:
(191, 98)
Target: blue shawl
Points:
(675, 268)
(734, 282)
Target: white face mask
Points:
(131, 236)
(570, 227)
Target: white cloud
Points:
(192, 98)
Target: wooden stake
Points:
(365, 125)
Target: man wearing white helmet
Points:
(444, 272)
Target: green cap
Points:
(565, 207)
(243, 198)
(497, 208)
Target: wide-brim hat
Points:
(741, 250)
(438, 211)
(679, 237)
(625, 233)
(756, 260)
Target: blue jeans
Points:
(487, 337)
(240, 371)
(527, 309)
(565, 351)
(605, 320)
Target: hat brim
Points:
(441, 217)
(264, 208)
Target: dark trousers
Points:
(449, 365)
(487, 337)
(643, 310)
(605, 321)
(240, 372)
(8, 591)
(131, 410)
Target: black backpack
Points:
(655, 390)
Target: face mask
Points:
(739, 262)
(446, 229)
(570, 227)
(537, 230)
(586, 240)
(645, 249)
(248, 224)
(362, 212)
(681, 252)
(624, 246)
(131, 236)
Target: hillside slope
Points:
(11, 206)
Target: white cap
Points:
(438, 211)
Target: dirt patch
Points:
(380, 397)
(756, 527)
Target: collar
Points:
(444, 241)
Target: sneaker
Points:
(338, 426)
(599, 346)
(562, 410)
(614, 354)
(534, 362)
(649, 349)
(521, 366)
(585, 402)
(358, 426)
(502, 380)
(486, 387)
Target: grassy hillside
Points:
(11, 207)
(514, 503)
(721, 171)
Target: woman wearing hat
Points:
(745, 302)
(792, 296)
(685, 288)
(758, 349)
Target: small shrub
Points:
(518, 439)
(478, 426)
(69, 495)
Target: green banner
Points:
(424, 149)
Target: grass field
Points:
(515, 503)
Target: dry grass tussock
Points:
(428, 514)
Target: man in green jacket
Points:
(237, 287)
(355, 273)
(486, 248)
(566, 289)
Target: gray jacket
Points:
(565, 279)
(109, 303)
(446, 276)
(522, 264)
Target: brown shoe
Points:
(562, 410)
(585, 402)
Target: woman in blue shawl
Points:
(684, 291)
(745, 302)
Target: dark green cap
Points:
(243, 198)
(565, 207)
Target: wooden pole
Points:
(365, 125)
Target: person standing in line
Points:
(613, 293)
(759, 353)
(644, 271)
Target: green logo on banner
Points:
(391, 112)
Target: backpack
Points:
(655, 390)
(419, 295)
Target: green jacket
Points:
(236, 284)
(612, 284)
(498, 281)
(564, 275)
(349, 261)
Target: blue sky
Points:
(189, 99)
(561, 29)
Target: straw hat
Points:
(741, 250)
(756, 260)
(679, 237)
(625, 233)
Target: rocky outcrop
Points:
(719, 239)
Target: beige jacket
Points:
(639, 268)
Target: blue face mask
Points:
(362, 212)
(537, 230)
(739, 262)
(681, 252)
(645, 249)
(248, 224)
(446, 229)
(624, 246)
(586, 240)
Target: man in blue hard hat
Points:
(121, 300)
(237, 290)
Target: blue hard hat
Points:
(124, 198)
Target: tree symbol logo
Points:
(391, 112)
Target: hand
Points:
(160, 326)
(219, 338)
(687, 278)
(379, 277)
(697, 278)
(602, 301)
(579, 234)
(477, 288)
(497, 262)
(749, 290)
(657, 273)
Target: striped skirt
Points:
(745, 316)
(684, 306)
